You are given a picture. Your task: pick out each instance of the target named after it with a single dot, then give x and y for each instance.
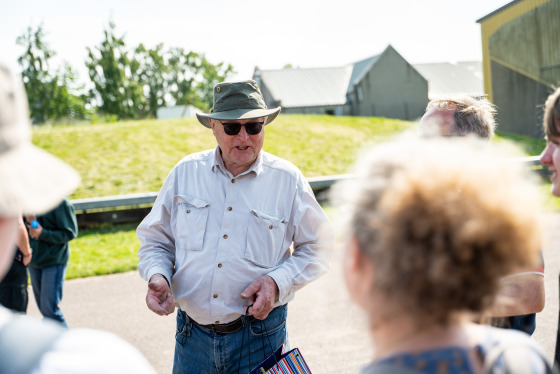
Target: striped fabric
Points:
(283, 362)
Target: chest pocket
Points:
(190, 226)
(265, 235)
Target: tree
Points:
(109, 70)
(192, 78)
(212, 75)
(136, 87)
(149, 69)
(50, 95)
(183, 70)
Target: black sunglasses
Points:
(252, 128)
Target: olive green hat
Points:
(237, 101)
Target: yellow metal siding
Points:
(490, 25)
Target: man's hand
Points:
(262, 293)
(159, 298)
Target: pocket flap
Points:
(267, 217)
(184, 199)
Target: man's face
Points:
(8, 232)
(438, 122)
(550, 157)
(241, 150)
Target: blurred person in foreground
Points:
(428, 240)
(13, 288)
(234, 229)
(550, 157)
(33, 182)
(521, 295)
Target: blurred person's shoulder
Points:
(71, 351)
(92, 351)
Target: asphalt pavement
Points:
(328, 329)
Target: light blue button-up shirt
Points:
(213, 234)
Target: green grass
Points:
(531, 146)
(103, 250)
(136, 156)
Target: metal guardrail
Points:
(133, 207)
(96, 203)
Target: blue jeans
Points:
(47, 288)
(201, 351)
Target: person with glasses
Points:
(522, 295)
(232, 235)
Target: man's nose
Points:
(243, 133)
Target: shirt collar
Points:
(218, 163)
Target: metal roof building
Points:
(382, 85)
(453, 78)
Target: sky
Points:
(249, 33)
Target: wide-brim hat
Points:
(238, 101)
(32, 181)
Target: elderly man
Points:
(522, 294)
(33, 182)
(218, 240)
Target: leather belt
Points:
(224, 328)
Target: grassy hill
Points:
(136, 156)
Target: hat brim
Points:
(238, 114)
(33, 181)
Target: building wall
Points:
(492, 23)
(392, 89)
(267, 96)
(334, 110)
(515, 96)
(521, 61)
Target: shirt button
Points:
(217, 322)
(188, 210)
(215, 296)
(233, 181)
(225, 236)
(229, 208)
(219, 265)
(270, 227)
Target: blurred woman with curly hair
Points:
(432, 226)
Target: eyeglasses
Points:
(252, 128)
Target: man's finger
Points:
(163, 306)
(250, 290)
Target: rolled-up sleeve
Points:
(157, 245)
(313, 243)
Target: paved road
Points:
(322, 321)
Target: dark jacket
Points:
(59, 227)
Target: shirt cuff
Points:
(159, 270)
(283, 281)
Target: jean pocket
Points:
(265, 235)
(275, 322)
(192, 216)
(184, 327)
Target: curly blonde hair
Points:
(442, 221)
(551, 120)
(472, 116)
